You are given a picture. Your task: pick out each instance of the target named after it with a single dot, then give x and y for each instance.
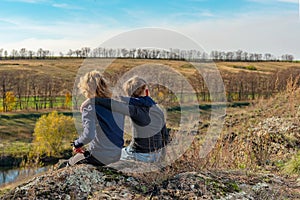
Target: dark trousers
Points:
(84, 158)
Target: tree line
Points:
(26, 91)
(145, 53)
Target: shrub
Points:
(68, 99)
(251, 67)
(293, 166)
(10, 101)
(52, 134)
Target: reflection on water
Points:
(8, 175)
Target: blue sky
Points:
(251, 25)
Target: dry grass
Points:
(262, 67)
(66, 68)
(263, 137)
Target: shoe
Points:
(62, 163)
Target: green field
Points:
(38, 103)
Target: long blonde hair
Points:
(93, 84)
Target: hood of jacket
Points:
(145, 101)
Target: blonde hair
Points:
(135, 86)
(93, 84)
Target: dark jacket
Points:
(103, 130)
(149, 128)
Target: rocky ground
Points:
(89, 182)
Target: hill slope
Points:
(88, 182)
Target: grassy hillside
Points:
(66, 69)
(62, 68)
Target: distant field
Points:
(62, 68)
(265, 67)
(67, 68)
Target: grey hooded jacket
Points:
(103, 130)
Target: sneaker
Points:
(62, 163)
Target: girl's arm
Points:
(89, 126)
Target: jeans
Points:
(129, 154)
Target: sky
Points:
(258, 26)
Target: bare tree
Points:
(238, 55)
(23, 53)
(244, 56)
(1, 52)
(5, 54)
(30, 54)
(287, 57)
(14, 54)
(39, 53)
(85, 51)
(70, 53)
(6, 86)
(20, 87)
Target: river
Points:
(9, 175)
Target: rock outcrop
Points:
(89, 182)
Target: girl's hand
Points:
(78, 150)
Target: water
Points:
(9, 175)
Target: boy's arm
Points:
(108, 103)
(113, 105)
(139, 114)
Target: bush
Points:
(293, 166)
(10, 101)
(53, 134)
(251, 67)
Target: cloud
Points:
(275, 34)
(193, 15)
(66, 6)
(28, 1)
(7, 22)
(207, 14)
(55, 45)
(57, 37)
(272, 1)
(289, 1)
(63, 44)
(197, 0)
(261, 1)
